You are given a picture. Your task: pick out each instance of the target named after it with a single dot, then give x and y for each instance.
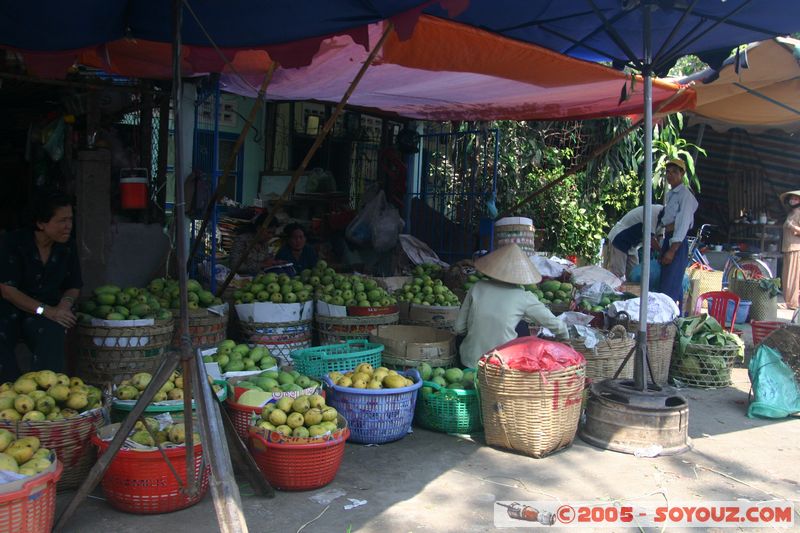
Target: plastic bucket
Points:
(133, 193)
(741, 314)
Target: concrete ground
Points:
(435, 482)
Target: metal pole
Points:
(640, 361)
(214, 183)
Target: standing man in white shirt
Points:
(624, 240)
(677, 218)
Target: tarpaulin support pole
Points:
(583, 163)
(231, 161)
(262, 229)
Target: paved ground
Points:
(434, 482)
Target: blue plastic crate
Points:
(376, 416)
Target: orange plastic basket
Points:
(762, 328)
(298, 466)
(32, 508)
(140, 482)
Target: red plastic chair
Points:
(718, 307)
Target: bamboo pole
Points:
(261, 233)
(232, 159)
(574, 169)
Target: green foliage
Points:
(668, 144)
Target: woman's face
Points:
(297, 240)
(793, 200)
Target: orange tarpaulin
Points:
(445, 71)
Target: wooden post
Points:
(232, 160)
(311, 151)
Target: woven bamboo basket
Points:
(70, 439)
(111, 354)
(534, 413)
(206, 329)
(280, 338)
(334, 329)
(660, 339)
(763, 307)
(703, 281)
(713, 369)
(523, 235)
(603, 360)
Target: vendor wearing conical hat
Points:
(493, 308)
(790, 247)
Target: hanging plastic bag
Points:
(386, 228)
(359, 231)
(775, 391)
(54, 139)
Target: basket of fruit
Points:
(252, 393)
(407, 347)
(425, 301)
(139, 480)
(448, 402)
(122, 332)
(208, 315)
(275, 311)
(28, 478)
(298, 443)
(233, 360)
(378, 404)
(169, 399)
(323, 360)
(61, 412)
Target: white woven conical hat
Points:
(510, 264)
(784, 195)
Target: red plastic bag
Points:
(531, 354)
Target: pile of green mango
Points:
(168, 292)
(448, 378)
(110, 302)
(551, 291)
(232, 357)
(605, 301)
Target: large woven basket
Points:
(70, 439)
(112, 354)
(714, 364)
(702, 281)
(205, 329)
(280, 338)
(763, 306)
(523, 235)
(437, 348)
(660, 339)
(534, 413)
(334, 330)
(603, 360)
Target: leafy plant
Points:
(667, 145)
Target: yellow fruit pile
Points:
(131, 389)
(304, 416)
(23, 456)
(45, 395)
(149, 433)
(365, 377)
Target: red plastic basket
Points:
(762, 328)
(241, 415)
(69, 439)
(32, 508)
(298, 466)
(141, 482)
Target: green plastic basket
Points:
(322, 360)
(121, 408)
(448, 410)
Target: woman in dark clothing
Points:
(296, 250)
(40, 278)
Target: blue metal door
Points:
(458, 177)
